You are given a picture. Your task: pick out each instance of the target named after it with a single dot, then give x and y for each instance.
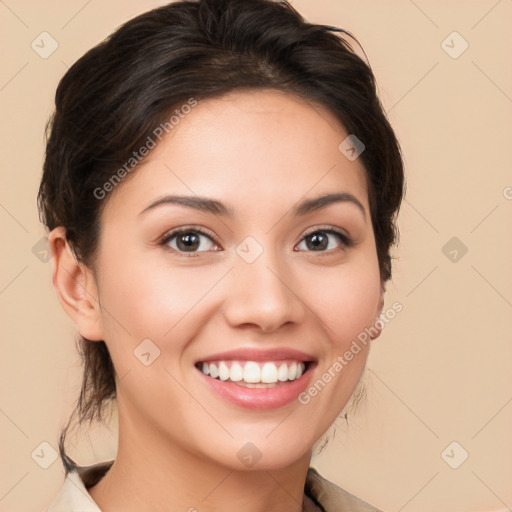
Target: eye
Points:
(188, 240)
(322, 240)
(194, 240)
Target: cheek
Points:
(346, 304)
(347, 300)
(156, 301)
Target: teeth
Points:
(282, 373)
(223, 371)
(214, 372)
(292, 371)
(236, 373)
(269, 373)
(253, 373)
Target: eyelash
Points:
(345, 240)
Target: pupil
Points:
(318, 241)
(188, 241)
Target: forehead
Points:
(247, 148)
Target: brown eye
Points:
(323, 240)
(189, 240)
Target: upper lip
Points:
(254, 354)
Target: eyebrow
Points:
(216, 207)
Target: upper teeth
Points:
(254, 372)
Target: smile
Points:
(254, 374)
(257, 380)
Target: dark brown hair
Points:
(120, 91)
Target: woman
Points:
(220, 188)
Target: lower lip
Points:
(260, 398)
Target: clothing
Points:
(320, 494)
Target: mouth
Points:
(257, 379)
(255, 374)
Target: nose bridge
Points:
(261, 290)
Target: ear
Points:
(75, 286)
(380, 306)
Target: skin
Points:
(178, 441)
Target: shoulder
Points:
(73, 495)
(332, 498)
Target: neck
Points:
(151, 473)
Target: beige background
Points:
(441, 371)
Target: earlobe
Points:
(75, 286)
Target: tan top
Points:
(319, 493)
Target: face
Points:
(219, 256)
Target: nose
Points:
(263, 294)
